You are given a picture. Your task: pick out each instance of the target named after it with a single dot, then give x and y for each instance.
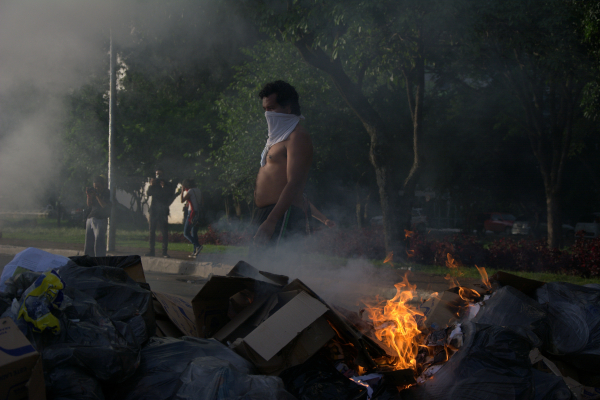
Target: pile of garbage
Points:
(92, 328)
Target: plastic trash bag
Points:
(73, 384)
(211, 378)
(318, 379)
(493, 364)
(31, 259)
(40, 299)
(509, 307)
(17, 284)
(116, 293)
(574, 313)
(184, 368)
(89, 341)
(112, 261)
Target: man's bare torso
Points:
(273, 177)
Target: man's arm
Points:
(319, 216)
(299, 157)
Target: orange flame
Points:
(484, 277)
(408, 233)
(395, 325)
(453, 264)
(389, 257)
(468, 294)
(410, 253)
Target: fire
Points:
(484, 277)
(453, 264)
(410, 253)
(408, 233)
(389, 257)
(395, 325)
(468, 294)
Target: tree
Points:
(536, 48)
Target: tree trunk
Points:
(381, 148)
(238, 208)
(554, 219)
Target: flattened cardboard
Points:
(525, 285)
(441, 311)
(243, 269)
(284, 325)
(233, 329)
(179, 311)
(343, 328)
(298, 351)
(20, 366)
(211, 303)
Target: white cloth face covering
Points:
(280, 127)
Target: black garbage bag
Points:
(192, 368)
(116, 293)
(509, 307)
(72, 384)
(318, 379)
(492, 364)
(574, 314)
(111, 261)
(88, 340)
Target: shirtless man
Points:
(279, 193)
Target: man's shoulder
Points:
(299, 134)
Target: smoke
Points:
(49, 49)
(337, 281)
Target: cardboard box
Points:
(243, 269)
(525, 285)
(442, 310)
(21, 374)
(287, 337)
(180, 315)
(211, 304)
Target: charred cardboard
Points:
(525, 285)
(211, 304)
(440, 311)
(21, 374)
(180, 315)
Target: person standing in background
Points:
(98, 200)
(163, 193)
(192, 197)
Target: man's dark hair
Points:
(188, 183)
(286, 95)
(99, 180)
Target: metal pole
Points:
(111, 146)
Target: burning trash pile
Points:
(92, 328)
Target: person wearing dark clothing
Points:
(192, 197)
(294, 222)
(98, 200)
(163, 194)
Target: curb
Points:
(150, 264)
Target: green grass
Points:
(45, 229)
